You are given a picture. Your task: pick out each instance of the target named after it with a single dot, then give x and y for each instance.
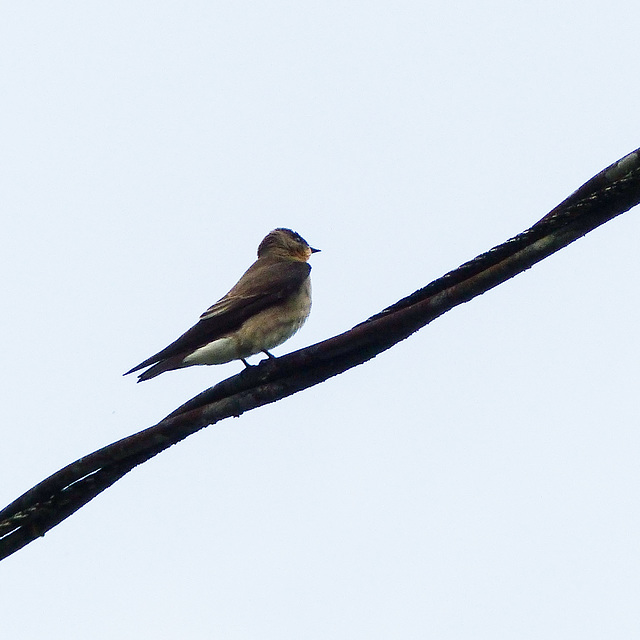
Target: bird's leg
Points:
(245, 363)
(268, 354)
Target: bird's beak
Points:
(314, 250)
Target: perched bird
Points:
(266, 307)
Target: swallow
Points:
(269, 303)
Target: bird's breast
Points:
(271, 327)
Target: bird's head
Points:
(284, 243)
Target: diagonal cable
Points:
(611, 192)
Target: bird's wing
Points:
(264, 284)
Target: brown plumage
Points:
(269, 303)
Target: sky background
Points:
(479, 480)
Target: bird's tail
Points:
(176, 362)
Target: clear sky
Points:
(481, 479)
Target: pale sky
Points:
(481, 479)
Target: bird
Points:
(269, 303)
